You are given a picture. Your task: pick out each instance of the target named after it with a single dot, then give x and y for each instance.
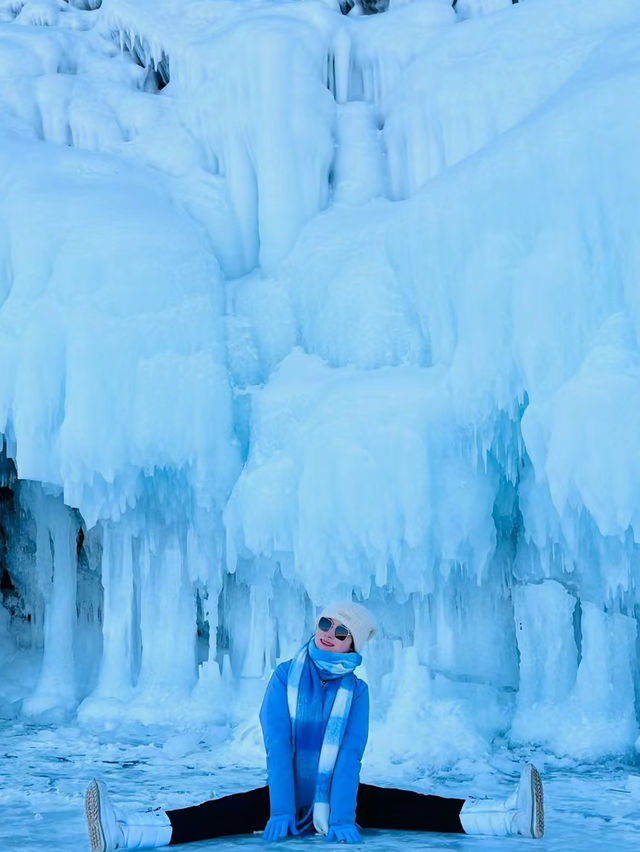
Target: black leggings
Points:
(376, 807)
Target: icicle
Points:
(56, 532)
(260, 633)
(341, 65)
(120, 602)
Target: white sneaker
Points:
(522, 813)
(528, 804)
(105, 833)
(116, 828)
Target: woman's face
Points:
(326, 638)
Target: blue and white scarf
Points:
(309, 669)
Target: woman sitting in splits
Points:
(315, 719)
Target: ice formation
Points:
(297, 305)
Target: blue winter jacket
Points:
(286, 793)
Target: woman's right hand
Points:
(278, 827)
(344, 834)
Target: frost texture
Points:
(296, 305)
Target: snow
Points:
(297, 305)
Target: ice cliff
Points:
(297, 305)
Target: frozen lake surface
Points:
(44, 771)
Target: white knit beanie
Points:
(354, 616)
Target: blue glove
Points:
(278, 827)
(344, 833)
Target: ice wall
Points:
(296, 305)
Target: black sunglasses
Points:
(341, 632)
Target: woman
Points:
(315, 718)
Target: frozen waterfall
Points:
(297, 305)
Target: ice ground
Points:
(43, 771)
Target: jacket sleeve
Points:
(346, 775)
(276, 730)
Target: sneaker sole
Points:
(537, 818)
(97, 840)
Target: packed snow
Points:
(297, 305)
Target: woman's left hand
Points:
(344, 833)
